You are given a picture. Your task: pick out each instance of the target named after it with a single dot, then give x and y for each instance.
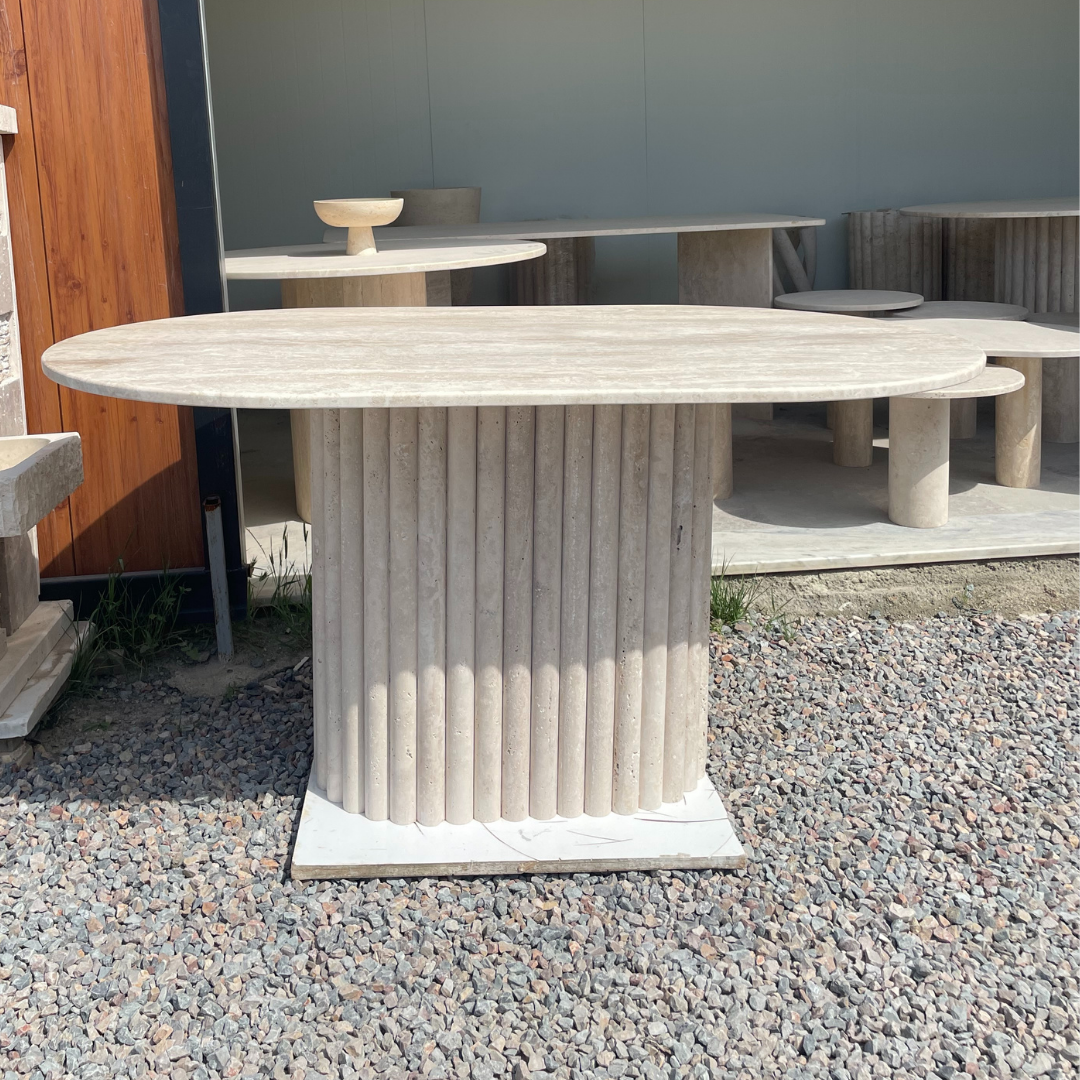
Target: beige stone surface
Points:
(395, 256)
(841, 301)
(991, 381)
(1064, 206)
(551, 228)
(37, 472)
(359, 216)
(402, 357)
(998, 338)
(964, 309)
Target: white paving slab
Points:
(28, 647)
(693, 834)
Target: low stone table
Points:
(401, 273)
(512, 556)
(852, 422)
(1018, 426)
(963, 418)
(723, 258)
(919, 445)
(1061, 383)
(1035, 247)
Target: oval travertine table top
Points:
(444, 356)
(992, 381)
(839, 301)
(393, 257)
(964, 309)
(1066, 320)
(997, 338)
(1065, 206)
(564, 228)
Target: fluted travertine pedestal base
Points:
(511, 611)
(1061, 400)
(1018, 426)
(378, 290)
(562, 276)
(1035, 263)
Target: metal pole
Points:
(219, 583)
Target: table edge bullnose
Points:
(983, 209)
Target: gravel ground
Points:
(906, 793)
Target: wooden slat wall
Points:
(95, 244)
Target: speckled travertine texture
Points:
(1063, 206)
(406, 357)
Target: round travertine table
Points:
(401, 273)
(512, 556)
(1035, 247)
(1018, 419)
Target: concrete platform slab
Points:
(793, 509)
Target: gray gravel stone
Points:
(906, 793)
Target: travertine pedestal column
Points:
(511, 609)
(918, 462)
(723, 470)
(562, 276)
(853, 433)
(963, 418)
(1018, 426)
(1061, 400)
(728, 269)
(381, 290)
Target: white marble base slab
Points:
(44, 686)
(694, 834)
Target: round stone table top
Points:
(997, 338)
(1064, 320)
(324, 358)
(393, 257)
(992, 381)
(1066, 206)
(841, 301)
(964, 309)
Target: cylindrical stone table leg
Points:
(1035, 263)
(1018, 435)
(723, 473)
(1061, 400)
(963, 418)
(853, 433)
(562, 276)
(919, 462)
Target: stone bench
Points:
(919, 445)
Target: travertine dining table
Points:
(1035, 247)
(401, 273)
(724, 258)
(512, 556)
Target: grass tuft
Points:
(289, 600)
